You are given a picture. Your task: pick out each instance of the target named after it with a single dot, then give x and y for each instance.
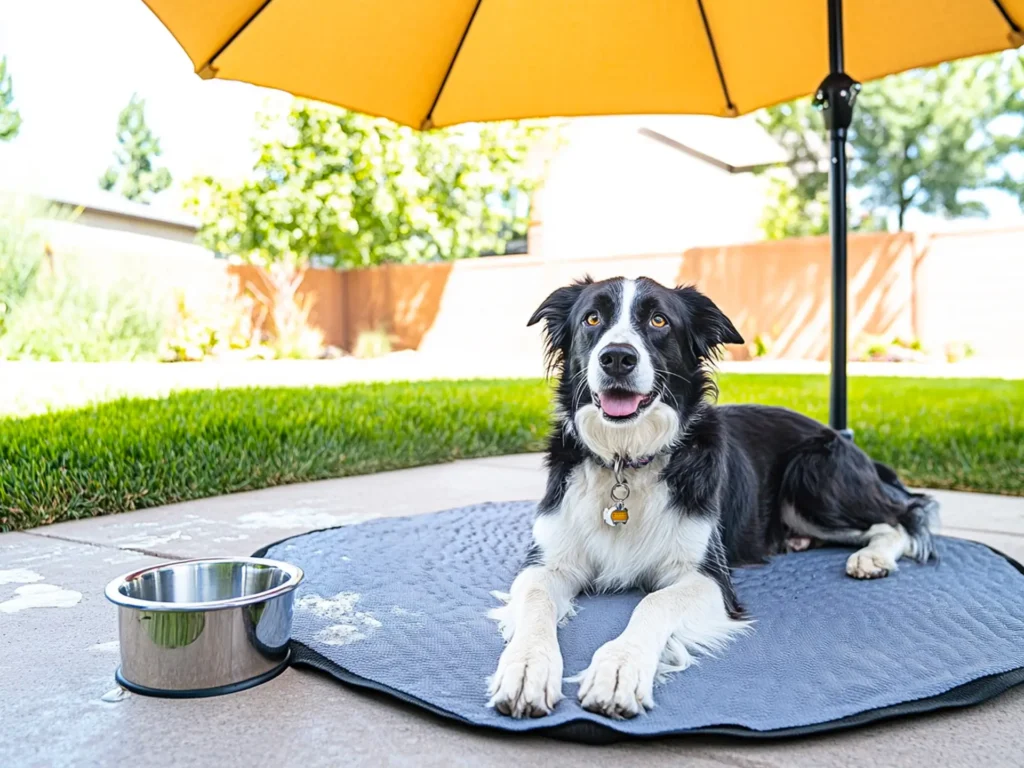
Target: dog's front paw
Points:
(528, 681)
(619, 682)
(866, 564)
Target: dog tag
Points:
(616, 515)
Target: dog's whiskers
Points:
(578, 390)
(671, 373)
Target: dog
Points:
(652, 486)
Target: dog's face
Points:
(632, 356)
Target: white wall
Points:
(611, 190)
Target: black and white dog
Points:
(702, 488)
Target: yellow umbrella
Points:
(432, 63)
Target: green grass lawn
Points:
(131, 454)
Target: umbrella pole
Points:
(835, 97)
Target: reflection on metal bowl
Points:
(204, 627)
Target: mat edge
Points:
(590, 732)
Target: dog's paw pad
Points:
(869, 565)
(798, 543)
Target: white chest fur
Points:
(656, 546)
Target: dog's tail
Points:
(919, 516)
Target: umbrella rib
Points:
(1015, 30)
(428, 121)
(208, 70)
(730, 107)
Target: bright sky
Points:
(76, 63)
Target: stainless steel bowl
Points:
(204, 627)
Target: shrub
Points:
(22, 250)
(288, 333)
(61, 308)
(231, 327)
(372, 344)
(72, 315)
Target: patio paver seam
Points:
(137, 550)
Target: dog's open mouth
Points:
(620, 404)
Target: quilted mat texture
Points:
(399, 605)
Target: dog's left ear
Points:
(709, 325)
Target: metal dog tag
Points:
(616, 515)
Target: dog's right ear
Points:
(556, 311)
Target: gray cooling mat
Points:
(398, 605)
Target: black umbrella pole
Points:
(835, 97)
(837, 395)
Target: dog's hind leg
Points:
(885, 545)
(832, 492)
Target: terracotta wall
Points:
(323, 288)
(960, 287)
(779, 290)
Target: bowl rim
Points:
(113, 589)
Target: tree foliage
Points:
(10, 118)
(132, 175)
(920, 140)
(341, 189)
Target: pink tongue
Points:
(619, 404)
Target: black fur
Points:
(741, 464)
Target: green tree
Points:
(919, 141)
(340, 189)
(10, 118)
(132, 175)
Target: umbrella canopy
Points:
(429, 63)
(432, 63)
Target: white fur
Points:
(656, 540)
(886, 544)
(686, 615)
(659, 544)
(528, 680)
(623, 332)
(800, 525)
(650, 433)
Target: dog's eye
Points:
(658, 321)
(593, 319)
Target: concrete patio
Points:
(59, 641)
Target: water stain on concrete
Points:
(297, 518)
(149, 542)
(36, 558)
(125, 558)
(116, 695)
(19, 576)
(40, 596)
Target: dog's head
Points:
(633, 359)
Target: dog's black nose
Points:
(618, 359)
